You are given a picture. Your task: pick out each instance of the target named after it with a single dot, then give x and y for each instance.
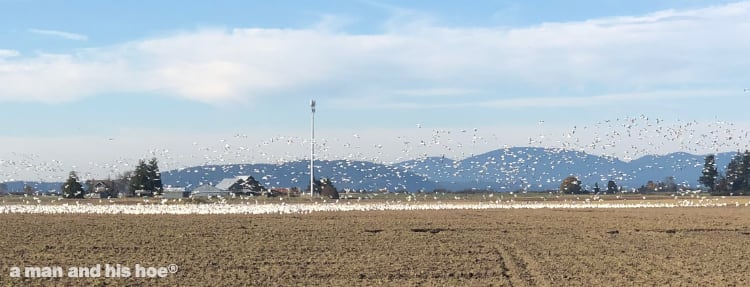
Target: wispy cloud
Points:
(60, 34)
(436, 92)
(8, 53)
(605, 100)
(536, 102)
(703, 49)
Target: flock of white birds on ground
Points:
(29, 204)
(174, 206)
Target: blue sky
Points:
(230, 81)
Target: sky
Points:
(93, 86)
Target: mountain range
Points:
(508, 169)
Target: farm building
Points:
(242, 185)
(105, 188)
(208, 191)
(230, 184)
(174, 192)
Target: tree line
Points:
(735, 180)
(145, 180)
(571, 185)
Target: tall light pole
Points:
(312, 149)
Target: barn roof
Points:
(227, 183)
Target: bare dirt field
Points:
(548, 247)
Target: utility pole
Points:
(312, 149)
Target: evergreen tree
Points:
(612, 187)
(710, 173)
(146, 177)
(745, 175)
(317, 187)
(570, 185)
(328, 190)
(72, 188)
(154, 176)
(735, 174)
(139, 179)
(324, 187)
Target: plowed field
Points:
(591, 247)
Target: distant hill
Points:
(520, 167)
(507, 169)
(544, 168)
(356, 175)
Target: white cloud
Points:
(60, 34)
(8, 53)
(666, 51)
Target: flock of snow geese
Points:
(626, 138)
(36, 206)
(644, 135)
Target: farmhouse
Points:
(105, 188)
(242, 185)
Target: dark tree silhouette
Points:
(72, 188)
(155, 176)
(710, 173)
(324, 187)
(570, 185)
(147, 178)
(328, 190)
(737, 176)
(612, 187)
